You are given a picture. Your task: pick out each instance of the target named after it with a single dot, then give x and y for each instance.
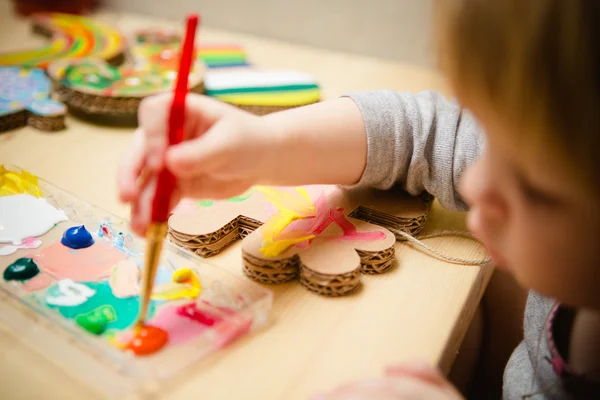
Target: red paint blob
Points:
(148, 340)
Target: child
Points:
(524, 159)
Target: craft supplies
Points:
(63, 301)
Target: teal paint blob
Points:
(126, 309)
(21, 270)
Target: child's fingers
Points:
(195, 157)
(131, 167)
(419, 370)
(391, 388)
(153, 119)
(201, 113)
(141, 207)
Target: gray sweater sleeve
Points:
(421, 141)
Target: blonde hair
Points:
(536, 63)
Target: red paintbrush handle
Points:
(166, 181)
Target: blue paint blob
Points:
(126, 309)
(77, 237)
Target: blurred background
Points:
(397, 30)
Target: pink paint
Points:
(124, 279)
(350, 232)
(83, 265)
(325, 216)
(315, 225)
(187, 322)
(180, 328)
(231, 329)
(228, 324)
(31, 243)
(201, 316)
(27, 243)
(38, 282)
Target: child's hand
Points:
(407, 382)
(224, 153)
(227, 150)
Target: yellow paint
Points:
(277, 247)
(298, 203)
(281, 99)
(185, 285)
(113, 338)
(18, 183)
(291, 206)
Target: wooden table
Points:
(421, 309)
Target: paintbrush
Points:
(157, 230)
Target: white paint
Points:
(23, 216)
(252, 78)
(71, 294)
(28, 243)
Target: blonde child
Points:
(521, 150)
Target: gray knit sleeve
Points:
(421, 141)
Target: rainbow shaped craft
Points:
(262, 90)
(221, 56)
(71, 36)
(212, 55)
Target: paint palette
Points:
(70, 290)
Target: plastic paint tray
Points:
(92, 359)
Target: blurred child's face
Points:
(535, 220)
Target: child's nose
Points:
(487, 215)
(480, 190)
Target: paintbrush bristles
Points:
(155, 235)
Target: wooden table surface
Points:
(420, 309)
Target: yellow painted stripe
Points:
(282, 99)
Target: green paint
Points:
(124, 311)
(91, 74)
(21, 270)
(204, 203)
(96, 320)
(239, 199)
(236, 199)
(222, 59)
(268, 89)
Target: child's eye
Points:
(531, 194)
(535, 196)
